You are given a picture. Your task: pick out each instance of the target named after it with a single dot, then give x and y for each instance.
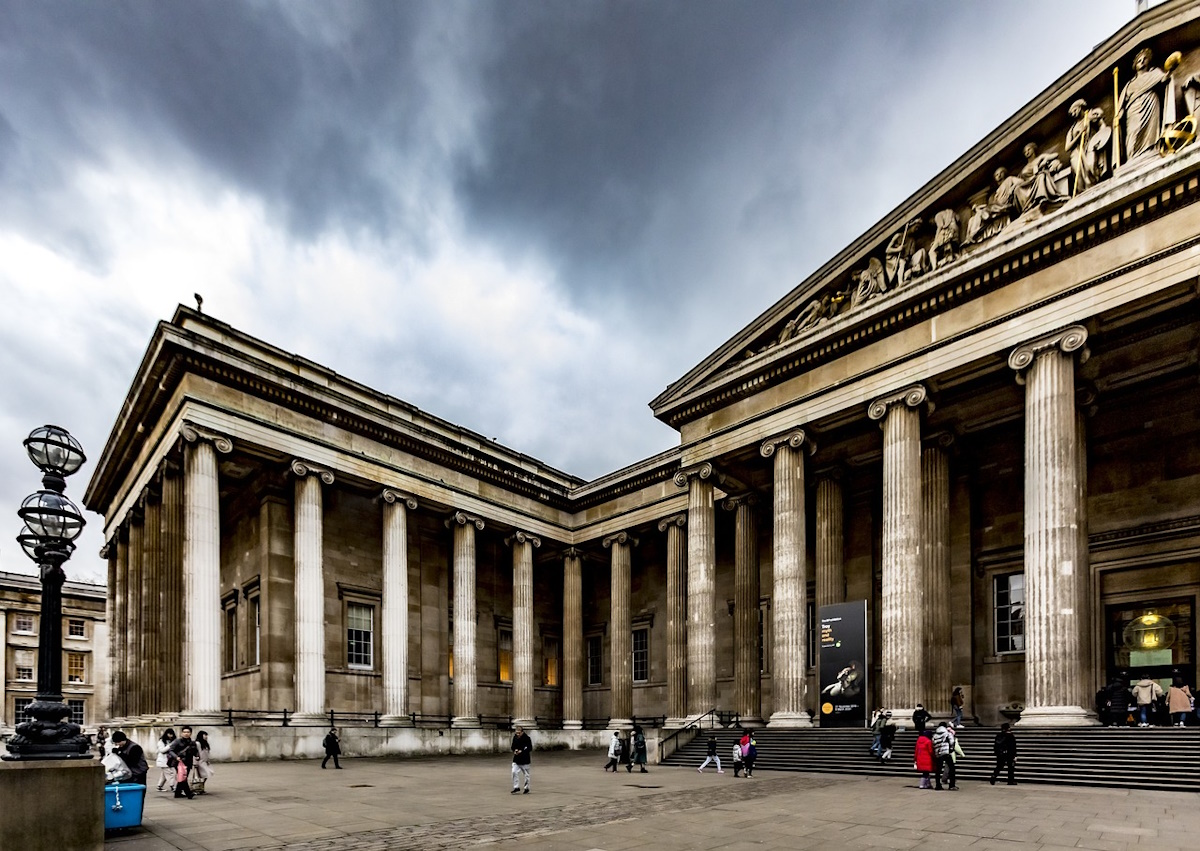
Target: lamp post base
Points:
(46, 736)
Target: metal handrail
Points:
(713, 719)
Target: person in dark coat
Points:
(185, 752)
(887, 735)
(637, 750)
(1005, 749)
(1118, 702)
(522, 750)
(133, 755)
(920, 718)
(712, 756)
(333, 747)
(750, 755)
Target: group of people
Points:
(745, 752)
(1145, 704)
(183, 762)
(627, 751)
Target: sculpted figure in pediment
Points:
(1140, 106)
(992, 216)
(944, 247)
(818, 311)
(1040, 180)
(870, 282)
(899, 251)
(1087, 146)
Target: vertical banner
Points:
(843, 675)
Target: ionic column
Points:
(522, 705)
(905, 613)
(789, 656)
(310, 589)
(935, 517)
(1053, 561)
(201, 603)
(109, 553)
(830, 544)
(171, 648)
(573, 661)
(152, 620)
(701, 587)
(466, 699)
(135, 658)
(118, 678)
(1084, 586)
(394, 625)
(746, 594)
(621, 632)
(676, 618)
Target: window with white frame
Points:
(20, 704)
(1009, 608)
(256, 627)
(231, 631)
(641, 655)
(595, 660)
(76, 667)
(23, 664)
(23, 623)
(76, 628)
(76, 707)
(360, 636)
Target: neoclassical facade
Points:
(982, 418)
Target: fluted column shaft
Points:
(465, 696)
(201, 579)
(152, 606)
(831, 577)
(1084, 586)
(935, 514)
(119, 613)
(676, 618)
(701, 596)
(109, 553)
(746, 593)
(1053, 563)
(522, 546)
(904, 607)
(309, 551)
(788, 605)
(621, 633)
(171, 646)
(394, 625)
(573, 661)
(133, 624)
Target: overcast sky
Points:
(525, 217)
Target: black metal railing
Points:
(654, 721)
(710, 720)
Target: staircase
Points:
(1166, 758)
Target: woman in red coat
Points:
(923, 758)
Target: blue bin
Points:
(128, 813)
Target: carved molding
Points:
(619, 538)
(461, 518)
(522, 538)
(1066, 340)
(193, 433)
(674, 520)
(794, 438)
(704, 470)
(393, 496)
(303, 468)
(572, 552)
(912, 396)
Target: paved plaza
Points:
(464, 802)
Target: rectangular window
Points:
(24, 673)
(504, 654)
(810, 613)
(762, 639)
(595, 660)
(23, 624)
(450, 645)
(75, 668)
(20, 704)
(1009, 592)
(23, 661)
(75, 628)
(641, 655)
(256, 625)
(231, 638)
(360, 636)
(76, 707)
(549, 661)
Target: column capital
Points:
(109, 549)
(619, 538)
(674, 520)
(522, 537)
(837, 472)
(1086, 396)
(795, 438)
(731, 503)
(461, 518)
(1066, 340)
(938, 440)
(302, 468)
(704, 470)
(572, 552)
(193, 433)
(912, 396)
(393, 496)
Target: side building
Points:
(85, 649)
(980, 418)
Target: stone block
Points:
(52, 805)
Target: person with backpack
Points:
(614, 752)
(1005, 749)
(184, 751)
(333, 748)
(712, 756)
(639, 751)
(943, 747)
(738, 765)
(750, 754)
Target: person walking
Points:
(166, 775)
(943, 744)
(614, 752)
(957, 699)
(333, 748)
(712, 756)
(626, 755)
(133, 756)
(923, 760)
(1005, 749)
(877, 722)
(638, 749)
(184, 750)
(522, 750)
(102, 741)
(1179, 701)
(203, 770)
(920, 718)
(887, 735)
(1146, 692)
(738, 765)
(750, 755)
(1117, 701)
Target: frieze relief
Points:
(1155, 118)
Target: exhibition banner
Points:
(843, 674)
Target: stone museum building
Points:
(982, 417)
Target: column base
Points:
(464, 721)
(675, 723)
(623, 724)
(573, 724)
(214, 716)
(1057, 716)
(296, 719)
(751, 721)
(395, 721)
(525, 723)
(790, 721)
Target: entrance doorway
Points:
(1152, 639)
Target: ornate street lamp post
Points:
(52, 523)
